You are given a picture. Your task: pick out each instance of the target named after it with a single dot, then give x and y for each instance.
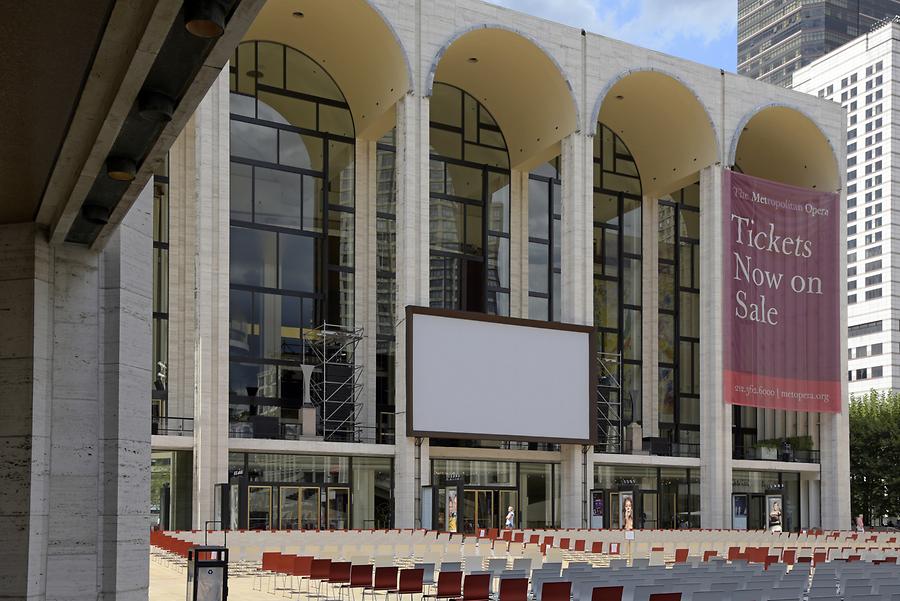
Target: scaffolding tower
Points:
(609, 403)
(337, 382)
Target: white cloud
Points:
(658, 24)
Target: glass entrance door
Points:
(508, 498)
(480, 509)
(298, 507)
(757, 518)
(310, 508)
(338, 517)
(259, 507)
(289, 507)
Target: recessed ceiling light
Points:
(121, 169)
(473, 59)
(298, 13)
(204, 18)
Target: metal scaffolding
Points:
(336, 384)
(609, 403)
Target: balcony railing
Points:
(172, 426)
(776, 454)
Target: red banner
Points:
(782, 294)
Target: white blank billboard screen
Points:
(500, 379)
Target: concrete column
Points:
(518, 244)
(834, 428)
(815, 506)
(75, 352)
(835, 469)
(650, 316)
(577, 291)
(25, 375)
(715, 415)
(182, 271)
(365, 289)
(124, 441)
(210, 309)
(412, 280)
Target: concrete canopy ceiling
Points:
(783, 145)
(47, 50)
(519, 84)
(351, 41)
(665, 127)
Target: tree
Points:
(875, 455)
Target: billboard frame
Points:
(413, 310)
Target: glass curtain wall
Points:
(160, 394)
(668, 497)
(469, 205)
(679, 320)
(532, 489)
(289, 492)
(544, 238)
(386, 284)
(617, 262)
(292, 215)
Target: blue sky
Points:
(704, 31)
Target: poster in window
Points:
(626, 507)
(597, 507)
(739, 512)
(451, 510)
(781, 283)
(774, 512)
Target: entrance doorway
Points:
(292, 507)
(486, 508)
(756, 518)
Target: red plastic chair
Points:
(681, 555)
(385, 581)
(300, 569)
(411, 581)
(789, 556)
(360, 578)
(564, 543)
(607, 593)
(707, 555)
(597, 547)
(319, 571)
(665, 597)
(579, 545)
(477, 587)
(513, 589)
(449, 586)
(556, 591)
(534, 539)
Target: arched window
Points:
(292, 205)
(469, 205)
(617, 271)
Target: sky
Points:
(704, 31)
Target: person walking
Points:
(860, 527)
(510, 518)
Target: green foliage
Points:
(798, 443)
(875, 455)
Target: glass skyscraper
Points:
(777, 37)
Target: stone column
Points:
(212, 295)
(125, 369)
(75, 353)
(715, 415)
(412, 281)
(650, 316)
(365, 293)
(518, 244)
(577, 290)
(25, 374)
